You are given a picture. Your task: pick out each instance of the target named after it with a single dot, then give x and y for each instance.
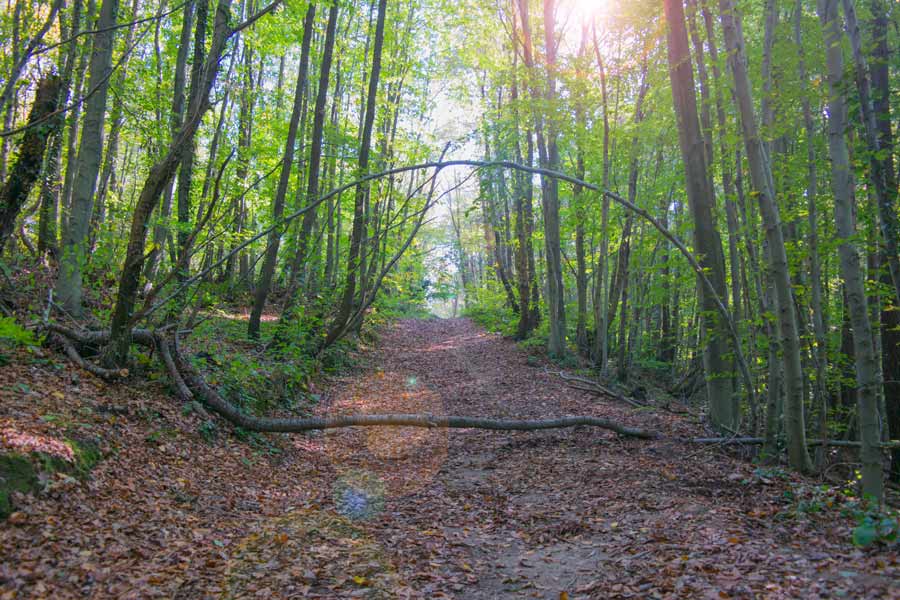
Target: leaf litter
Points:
(402, 512)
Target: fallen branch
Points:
(755, 441)
(76, 358)
(144, 337)
(218, 404)
(181, 388)
(190, 384)
(589, 385)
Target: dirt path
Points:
(178, 511)
(576, 511)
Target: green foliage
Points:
(13, 335)
(875, 526)
(487, 307)
(208, 431)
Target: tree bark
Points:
(763, 188)
(885, 195)
(186, 169)
(159, 177)
(161, 230)
(27, 167)
(355, 258)
(723, 405)
(851, 271)
(74, 246)
(287, 161)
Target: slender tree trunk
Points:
(161, 230)
(763, 186)
(581, 280)
(355, 257)
(815, 269)
(890, 316)
(308, 224)
(886, 195)
(51, 186)
(267, 272)
(159, 177)
(556, 292)
(74, 247)
(601, 286)
(851, 271)
(724, 408)
(117, 119)
(186, 169)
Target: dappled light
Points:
(403, 460)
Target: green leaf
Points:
(864, 535)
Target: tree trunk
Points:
(287, 161)
(308, 223)
(27, 167)
(851, 271)
(815, 269)
(763, 187)
(117, 119)
(48, 236)
(159, 177)
(186, 169)
(74, 246)
(161, 230)
(552, 242)
(890, 315)
(886, 196)
(601, 285)
(360, 222)
(724, 408)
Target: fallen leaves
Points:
(406, 514)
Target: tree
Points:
(764, 190)
(74, 243)
(851, 271)
(287, 162)
(724, 408)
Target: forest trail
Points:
(173, 512)
(475, 514)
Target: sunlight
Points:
(586, 10)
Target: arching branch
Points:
(503, 164)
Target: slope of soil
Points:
(176, 511)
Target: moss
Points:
(17, 474)
(87, 455)
(20, 472)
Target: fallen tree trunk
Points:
(189, 383)
(218, 404)
(754, 441)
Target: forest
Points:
(463, 299)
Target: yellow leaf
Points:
(360, 580)
(564, 596)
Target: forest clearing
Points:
(419, 299)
